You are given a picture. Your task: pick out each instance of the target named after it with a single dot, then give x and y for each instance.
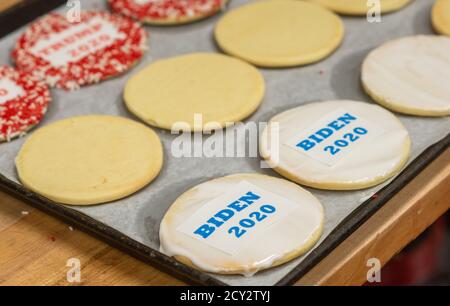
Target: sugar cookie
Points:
(168, 12)
(361, 7)
(69, 55)
(336, 145)
(441, 17)
(241, 224)
(89, 159)
(172, 91)
(410, 75)
(279, 33)
(23, 102)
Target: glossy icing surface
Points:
(296, 233)
(364, 164)
(410, 75)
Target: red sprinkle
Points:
(375, 196)
(52, 238)
(166, 10)
(108, 61)
(21, 113)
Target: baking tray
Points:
(132, 224)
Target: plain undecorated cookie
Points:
(170, 92)
(279, 33)
(360, 160)
(410, 75)
(89, 159)
(360, 7)
(293, 235)
(441, 17)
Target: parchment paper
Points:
(337, 77)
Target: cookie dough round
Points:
(282, 241)
(410, 75)
(360, 7)
(171, 92)
(90, 159)
(280, 33)
(363, 160)
(167, 12)
(441, 17)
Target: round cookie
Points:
(441, 17)
(241, 244)
(167, 12)
(89, 159)
(408, 75)
(360, 7)
(336, 145)
(279, 33)
(69, 55)
(23, 102)
(170, 92)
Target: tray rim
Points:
(17, 16)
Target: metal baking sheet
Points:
(132, 224)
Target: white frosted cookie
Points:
(167, 12)
(279, 33)
(241, 224)
(441, 17)
(410, 75)
(218, 88)
(336, 145)
(361, 7)
(89, 159)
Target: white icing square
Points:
(250, 212)
(334, 136)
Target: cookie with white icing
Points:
(70, 55)
(410, 75)
(279, 33)
(24, 100)
(362, 7)
(195, 92)
(440, 17)
(241, 224)
(336, 145)
(89, 159)
(167, 12)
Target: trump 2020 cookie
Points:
(70, 55)
(24, 100)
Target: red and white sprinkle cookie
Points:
(69, 55)
(167, 11)
(23, 102)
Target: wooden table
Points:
(35, 247)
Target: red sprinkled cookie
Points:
(69, 55)
(167, 11)
(24, 99)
